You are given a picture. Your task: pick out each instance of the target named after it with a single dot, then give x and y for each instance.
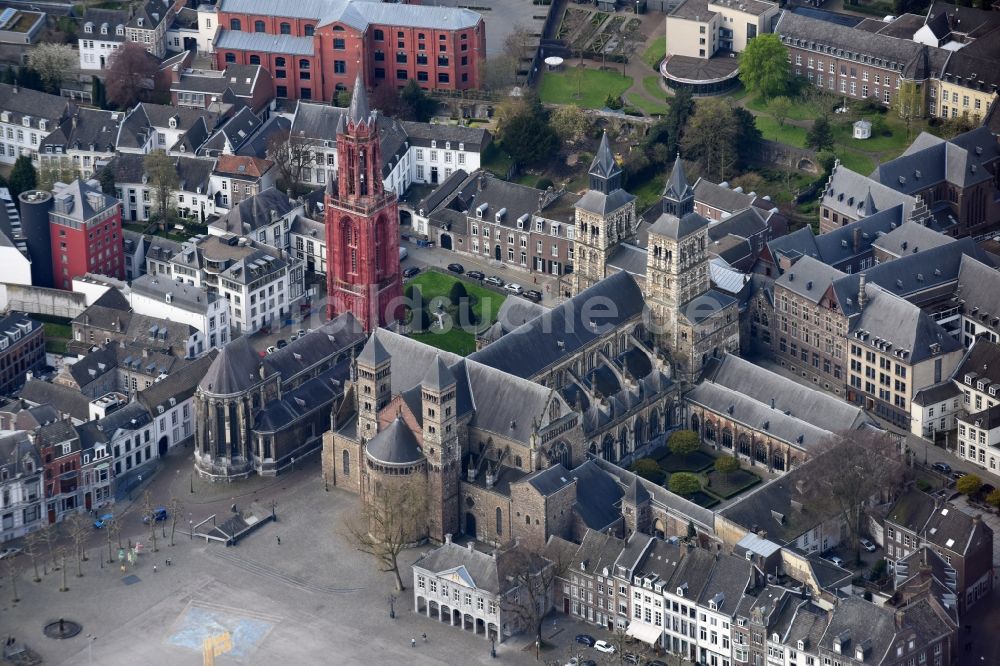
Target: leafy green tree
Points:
(106, 177)
(23, 176)
(684, 483)
(458, 292)
(748, 137)
(820, 136)
(993, 499)
(570, 123)
(710, 138)
(418, 105)
(764, 66)
(683, 442)
(691, 531)
(28, 77)
(969, 484)
(780, 107)
(726, 464)
(648, 469)
(342, 98)
(526, 134)
(910, 104)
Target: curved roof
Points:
(395, 445)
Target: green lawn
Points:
(790, 134)
(647, 106)
(647, 193)
(496, 161)
(655, 52)
(855, 161)
(892, 145)
(799, 110)
(594, 84)
(692, 462)
(434, 285)
(652, 86)
(728, 485)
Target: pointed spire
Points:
(604, 165)
(677, 184)
(374, 352)
(438, 375)
(868, 207)
(636, 493)
(358, 111)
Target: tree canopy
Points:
(764, 66)
(649, 469)
(683, 442)
(525, 133)
(53, 62)
(684, 483)
(969, 484)
(130, 74)
(23, 177)
(163, 180)
(820, 136)
(711, 138)
(726, 464)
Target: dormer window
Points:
(461, 146)
(434, 143)
(88, 27)
(26, 121)
(120, 30)
(104, 28)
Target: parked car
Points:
(944, 468)
(9, 552)
(411, 271)
(533, 295)
(281, 344)
(630, 658)
(300, 332)
(514, 288)
(103, 520)
(573, 661)
(494, 280)
(456, 268)
(585, 639)
(958, 474)
(605, 647)
(476, 275)
(867, 545)
(293, 337)
(403, 253)
(159, 515)
(837, 560)
(656, 662)
(272, 349)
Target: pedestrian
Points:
(154, 568)
(279, 539)
(413, 642)
(425, 638)
(168, 562)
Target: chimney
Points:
(857, 240)
(447, 538)
(861, 292)
(899, 619)
(469, 546)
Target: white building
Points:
(193, 199)
(169, 298)
(170, 402)
(26, 118)
(308, 240)
(15, 267)
(934, 410)
(103, 33)
(20, 486)
(979, 438)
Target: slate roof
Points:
(314, 394)
(910, 238)
(843, 193)
(395, 444)
(262, 42)
(980, 288)
(952, 529)
(178, 385)
(662, 559)
(903, 325)
(134, 130)
(531, 348)
(15, 448)
(911, 510)
(85, 201)
(937, 393)
(235, 132)
(628, 258)
(604, 204)
(87, 129)
(63, 398)
(721, 196)
(519, 201)
(597, 504)
(549, 480)
(22, 102)
(676, 228)
(961, 161)
(234, 370)
(438, 376)
(94, 365)
(661, 497)
(821, 409)
(480, 567)
(253, 213)
(982, 360)
(597, 551)
(706, 305)
(421, 134)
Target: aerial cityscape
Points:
(562, 332)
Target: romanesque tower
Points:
(441, 448)
(605, 216)
(362, 224)
(372, 387)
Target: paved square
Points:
(197, 624)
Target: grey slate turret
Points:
(678, 195)
(605, 174)
(438, 376)
(395, 445)
(374, 353)
(358, 111)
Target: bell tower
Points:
(604, 217)
(441, 448)
(374, 374)
(362, 224)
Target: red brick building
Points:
(315, 48)
(362, 224)
(86, 230)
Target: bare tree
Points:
(392, 519)
(532, 581)
(518, 48)
(31, 543)
(78, 531)
(176, 508)
(852, 472)
(61, 554)
(49, 534)
(13, 569)
(498, 72)
(130, 74)
(149, 515)
(53, 62)
(111, 529)
(163, 181)
(290, 155)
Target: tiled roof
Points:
(262, 42)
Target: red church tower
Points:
(362, 224)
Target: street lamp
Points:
(493, 649)
(392, 609)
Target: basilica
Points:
(513, 441)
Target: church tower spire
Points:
(678, 195)
(605, 174)
(362, 223)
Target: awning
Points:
(646, 633)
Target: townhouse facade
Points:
(22, 350)
(21, 490)
(86, 233)
(315, 51)
(26, 118)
